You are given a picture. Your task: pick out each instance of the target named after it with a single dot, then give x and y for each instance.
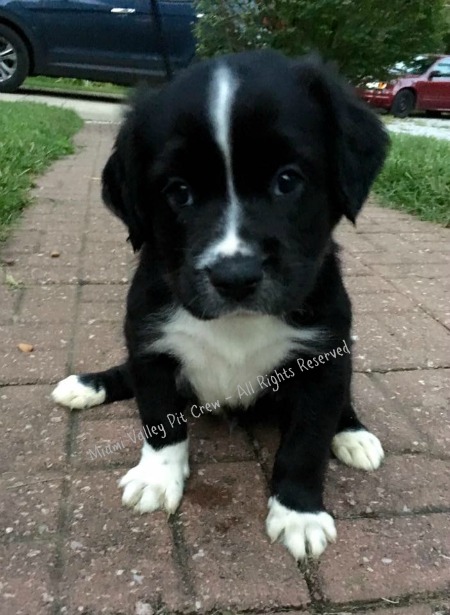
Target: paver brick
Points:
(212, 439)
(412, 340)
(403, 484)
(66, 245)
(104, 293)
(104, 269)
(98, 346)
(29, 505)
(381, 302)
(48, 304)
(431, 294)
(116, 558)
(25, 242)
(26, 584)
(413, 270)
(392, 422)
(425, 397)
(102, 312)
(9, 300)
(126, 409)
(367, 284)
(222, 518)
(106, 442)
(32, 431)
(406, 256)
(46, 362)
(43, 269)
(387, 558)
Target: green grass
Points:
(84, 86)
(31, 137)
(416, 178)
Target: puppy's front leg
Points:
(158, 479)
(310, 413)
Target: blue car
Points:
(122, 41)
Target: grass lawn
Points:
(75, 85)
(31, 137)
(416, 178)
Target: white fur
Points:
(158, 479)
(302, 533)
(358, 449)
(222, 93)
(74, 394)
(219, 355)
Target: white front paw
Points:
(302, 533)
(158, 479)
(77, 395)
(358, 448)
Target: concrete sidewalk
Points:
(69, 547)
(90, 110)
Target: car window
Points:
(443, 67)
(415, 66)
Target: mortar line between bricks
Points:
(401, 369)
(419, 305)
(311, 579)
(258, 458)
(414, 599)
(19, 301)
(336, 608)
(63, 517)
(402, 292)
(52, 381)
(180, 556)
(122, 465)
(384, 389)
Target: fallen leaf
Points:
(25, 347)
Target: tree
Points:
(447, 28)
(364, 37)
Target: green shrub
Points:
(364, 37)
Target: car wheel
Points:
(14, 60)
(403, 104)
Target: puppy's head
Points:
(235, 175)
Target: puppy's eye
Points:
(287, 181)
(178, 193)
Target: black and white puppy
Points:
(231, 181)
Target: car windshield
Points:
(416, 66)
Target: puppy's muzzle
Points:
(236, 277)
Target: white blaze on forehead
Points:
(222, 93)
(223, 90)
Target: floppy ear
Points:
(360, 142)
(121, 182)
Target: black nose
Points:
(236, 277)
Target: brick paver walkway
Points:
(69, 547)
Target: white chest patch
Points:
(220, 356)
